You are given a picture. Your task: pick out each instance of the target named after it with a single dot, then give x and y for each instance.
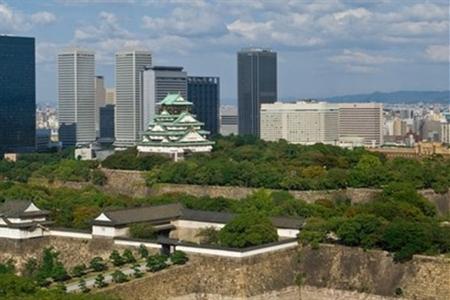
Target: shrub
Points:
(137, 271)
(116, 258)
(142, 231)
(82, 286)
(98, 264)
(143, 252)
(128, 256)
(156, 262)
(79, 270)
(208, 235)
(7, 267)
(119, 277)
(178, 258)
(100, 281)
(248, 229)
(98, 177)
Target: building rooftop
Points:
(175, 99)
(20, 208)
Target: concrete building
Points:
(110, 97)
(257, 84)
(228, 120)
(17, 94)
(204, 93)
(361, 120)
(300, 123)
(129, 95)
(158, 82)
(100, 98)
(43, 142)
(445, 129)
(76, 97)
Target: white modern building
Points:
(303, 122)
(228, 120)
(110, 97)
(76, 97)
(20, 219)
(361, 121)
(158, 82)
(129, 95)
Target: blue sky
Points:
(325, 47)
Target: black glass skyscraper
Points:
(257, 84)
(204, 93)
(17, 94)
(107, 122)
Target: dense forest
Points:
(249, 162)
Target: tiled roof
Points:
(16, 208)
(174, 99)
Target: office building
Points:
(361, 121)
(159, 81)
(76, 97)
(228, 120)
(257, 84)
(300, 123)
(100, 98)
(204, 93)
(110, 97)
(107, 122)
(129, 96)
(17, 94)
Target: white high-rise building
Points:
(300, 123)
(159, 81)
(76, 97)
(129, 96)
(110, 98)
(361, 121)
(100, 98)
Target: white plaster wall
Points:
(18, 220)
(77, 235)
(17, 234)
(109, 231)
(287, 233)
(195, 224)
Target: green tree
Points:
(79, 270)
(98, 177)
(143, 252)
(178, 258)
(208, 235)
(98, 264)
(100, 281)
(8, 267)
(156, 262)
(119, 277)
(82, 286)
(128, 256)
(142, 231)
(116, 258)
(137, 273)
(248, 229)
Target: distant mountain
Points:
(397, 97)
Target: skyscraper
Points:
(158, 82)
(129, 95)
(107, 123)
(204, 93)
(17, 94)
(257, 84)
(100, 98)
(76, 97)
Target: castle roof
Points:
(175, 99)
(20, 208)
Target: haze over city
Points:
(325, 48)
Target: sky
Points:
(325, 47)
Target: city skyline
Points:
(353, 46)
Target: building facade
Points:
(158, 82)
(110, 97)
(300, 123)
(129, 95)
(361, 121)
(204, 93)
(107, 123)
(228, 120)
(17, 94)
(257, 84)
(76, 97)
(100, 98)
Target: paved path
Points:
(90, 280)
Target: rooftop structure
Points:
(175, 131)
(21, 219)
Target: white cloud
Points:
(11, 21)
(43, 18)
(438, 53)
(362, 58)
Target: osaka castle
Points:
(175, 131)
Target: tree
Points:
(156, 262)
(79, 270)
(82, 286)
(128, 256)
(31, 267)
(98, 264)
(98, 177)
(208, 235)
(178, 258)
(119, 277)
(116, 259)
(143, 252)
(59, 273)
(7, 267)
(137, 271)
(248, 229)
(100, 281)
(142, 231)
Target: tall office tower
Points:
(100, 98)
(445, 128)
(300, 123)
(257, 84)
(129, 96)
(204, 93)
(107, 123)
(110, 97)
(76, 97)
(17, 94)
(159, 81)
(361, 121)
(228, 120)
